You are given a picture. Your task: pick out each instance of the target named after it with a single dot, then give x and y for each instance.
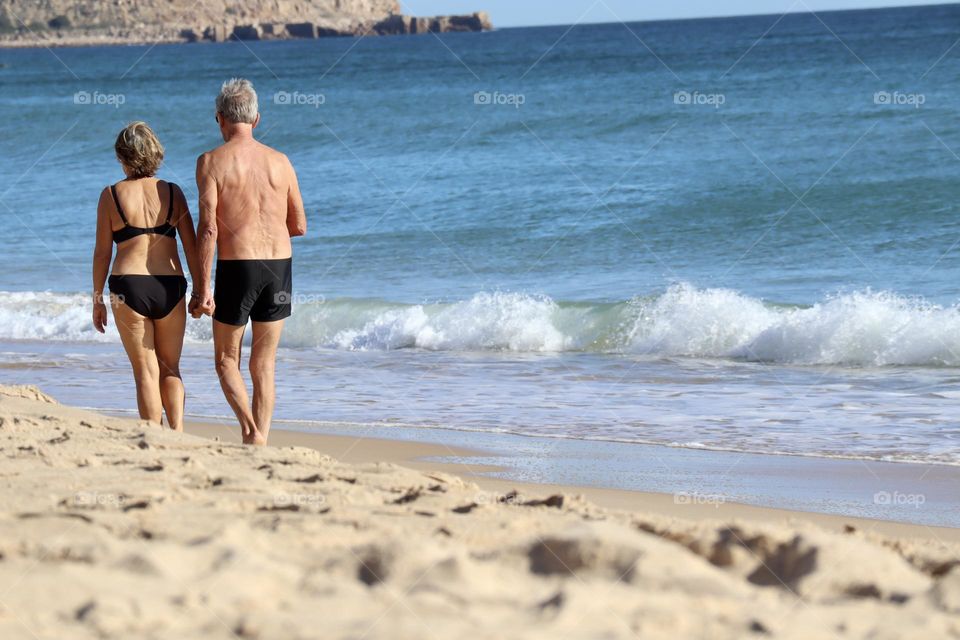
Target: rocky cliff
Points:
(64, 22)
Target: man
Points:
(250, 207)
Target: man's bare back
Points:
(253, 190)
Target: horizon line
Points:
(732, 15)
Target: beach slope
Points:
(110, 528)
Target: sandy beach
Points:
(112, 528)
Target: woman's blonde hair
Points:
(139, 150)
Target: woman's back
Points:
(144, 216)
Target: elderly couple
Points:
(250, 207)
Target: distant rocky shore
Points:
(392, 25)
(93, 22)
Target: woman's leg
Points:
(136, 333)
(168, 337)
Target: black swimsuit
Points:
(151, 296)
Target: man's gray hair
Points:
(237, 101)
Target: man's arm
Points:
(202, 299)
(296, 217)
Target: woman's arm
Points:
(188, 235)
(102, 254)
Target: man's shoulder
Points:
(212, 153)
(210, 160)
(205, 157)
(273, 154)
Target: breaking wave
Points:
(854, 329)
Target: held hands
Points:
(201, 304)
(99, 316)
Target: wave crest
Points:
(857, 329)
(487, 321)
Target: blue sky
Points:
(512, 13)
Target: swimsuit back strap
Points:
(170, 208)
(116, 201)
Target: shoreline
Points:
(300, 425)
(492, 470)
(84, 43)
(304, 426)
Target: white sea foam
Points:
(42, 316)
(686, 321)
(859, 329)
(487, 321)
(855, 329)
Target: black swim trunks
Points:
(256, 289)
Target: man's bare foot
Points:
(256, 439)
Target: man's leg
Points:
(227, 339)
(263, 361)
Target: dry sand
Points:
(110, 528)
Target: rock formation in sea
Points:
(77, 22)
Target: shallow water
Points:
(882, 414)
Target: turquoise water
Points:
(730, 233)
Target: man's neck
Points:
(238, 133)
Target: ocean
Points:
(735, 234)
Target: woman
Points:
(143, 215)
